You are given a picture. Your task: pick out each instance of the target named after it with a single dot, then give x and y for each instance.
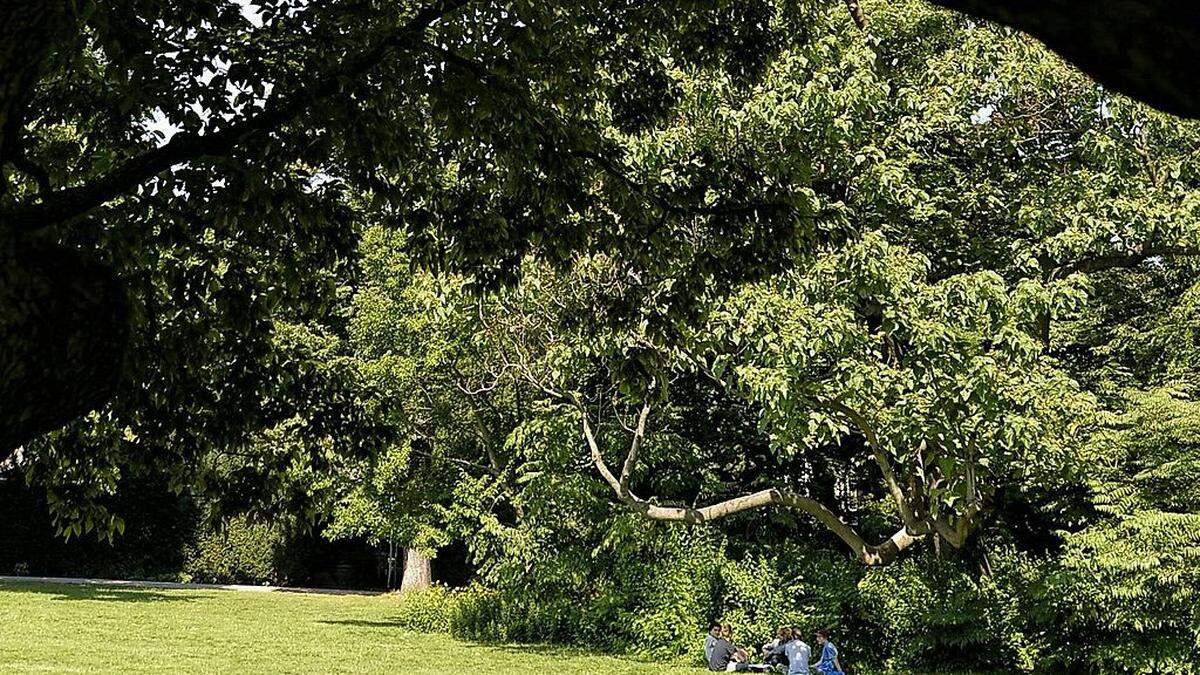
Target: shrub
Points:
(678, 594)
(944, 615)
(241, 553)
(508, 616)
(429, 610)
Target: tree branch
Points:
(867, 554)
(856, 13)
(1123, 261)
(885, 466)
(638, 434)
(957, 532)
(62, 205)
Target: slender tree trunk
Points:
(417, 571)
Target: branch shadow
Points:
(394, 624)
(101, 593)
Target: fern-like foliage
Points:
(1133, 576)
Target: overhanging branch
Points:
(1123, 261)
(885, 466)
(62, 205)
(868, 554)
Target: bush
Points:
(429, 610)
(677, 595)
(242, 553)
(944, 615)
(508, 616)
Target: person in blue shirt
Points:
(829, 664)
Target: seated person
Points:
(798, 654)
(725, 656)
(774, 653)
(714, 633)
(829, 664)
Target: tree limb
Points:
(1123, 261)
(885, 466)
(856, 13)
(638, 434)
(866, 553)
(64, 204)
(957, 533)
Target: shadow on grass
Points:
(562, 653)
(363, 623)
(101, 594)
(556, 651)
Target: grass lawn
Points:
(83, 629)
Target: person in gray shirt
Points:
(714, 634)
(727, 657)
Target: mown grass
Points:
(88, 629)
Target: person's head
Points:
(785, 633)
(715, 630)
(727, 632)
(822, 636)
(797, 634)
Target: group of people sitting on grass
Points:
(787, 653)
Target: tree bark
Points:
(64, 336)
(418, 572)
(868, 554)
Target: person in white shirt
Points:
(798, 654)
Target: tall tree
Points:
(272, 106)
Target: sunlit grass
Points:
(84, 629)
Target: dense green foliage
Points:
(242, 553)
(677, 313)
(966, 314)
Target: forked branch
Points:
(868, 554)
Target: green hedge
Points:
(241, 553)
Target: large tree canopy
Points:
(181, 180)
(270, 96)
(927, 334)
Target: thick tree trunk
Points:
(418, 573)
(64, 332)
